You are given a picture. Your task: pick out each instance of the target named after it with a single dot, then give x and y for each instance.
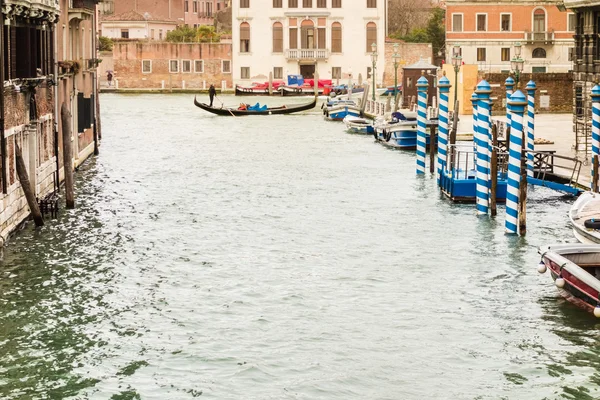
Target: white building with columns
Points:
(301, 37)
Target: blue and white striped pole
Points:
(474, 102)
(510, 86)
(422, 85)
(531, 88)
(443, 128)
(516, 105)
(595, 129)
(483, 156)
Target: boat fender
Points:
(541, 267)
(298, 90)
(387, 135)
(592, 223)
(375, 134)
(327, 112)
(597, 311)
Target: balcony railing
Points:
(307, 54)
(83, 4)
(539, 37)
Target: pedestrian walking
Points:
(212, 92)
(109, 76)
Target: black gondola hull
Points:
(269, 111)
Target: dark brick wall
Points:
(559, 86)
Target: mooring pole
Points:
(271, 83)
(483, 158)
(494, 172)
(531, 88)
(444, 87)
(517, 105)
(595, 174)
(422, 85)
(432, 147)
(65, 115)
(27, 189)
(523, 195)
(509, 83)
(475, 103)
(595, 131)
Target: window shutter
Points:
(322, 38)
(293, 38)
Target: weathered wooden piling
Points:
(595, 130)
(271, 83)
(483, 159)
(517, 105)
(316, 83)
(594, 186)
(27, 189)
(432, 147)
(65, 115)
(530, 88)
(444, 87)
(494, 172)
(523, 194)
(422, 85)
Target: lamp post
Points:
(456, 62)
(374, 61)
(396, 58)
(517, 63)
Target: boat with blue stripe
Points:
(337, 110)
(401, 132)
(359, 125)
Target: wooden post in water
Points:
(595, 174)
(432, 147)
(452, 139)
(494, 171)
(316, 83)
(523, 195)
(65, 115)
(271, 83)
(27, 189)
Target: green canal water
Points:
(280, 258)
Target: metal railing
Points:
(85, 4)
(539, 36)
(307, 54)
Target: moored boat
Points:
(257, 110)
(401, 132)
(257, 89)
(359, 125)
(585, 218)
(575, 269)
(337, 110)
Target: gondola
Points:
(285, 109)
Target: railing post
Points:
(444, 86)
(516, 105)
(483, 158)
(595, 132)
(531, 88)
(422, 85)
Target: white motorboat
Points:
(585, 218)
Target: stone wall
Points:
(558, 87)
(128, 57)
(409, 53)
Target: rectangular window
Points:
(195, 4)
(481, 54)
(152, 34)
(336, 3)
(146, 66)
(245, 71)
(160, 37)
(336, 73)
(321, 3)
(186, 66)
(278, 39)
(571, 53)
(226, 66)
(307, 3)
(293, 38)
(292, 3)
(371, 3)
(371, 37)
(538, 70)
(481, 22)
(245, 39)
(457, 22)
(336, 38)
(173, 66)
(505, 54)
(185, 6)
(244, 3)
(505, 22)
(321, 38)
(571, 22)
(125, 33)
(198, 66)
(277, 72)
(277, 3)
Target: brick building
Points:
(189, 12)
(487, 32)
(147, 65)
(409, 53)
(133, 25)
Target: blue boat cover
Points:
(258, 107)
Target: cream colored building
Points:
(134, 25)
(302, 37)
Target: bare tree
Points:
(406, 15)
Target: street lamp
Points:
(456, 62)
(374, 61)
(517, 63)
(396, 58)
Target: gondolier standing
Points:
(212, 92)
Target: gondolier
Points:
(212, 92)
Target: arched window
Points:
(539, 20)
(307, 34)
(371, 35)
(244, 37)
(336, 37)
(538, 53)
(277, 37)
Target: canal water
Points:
(280, 258)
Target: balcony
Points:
(539, 37)
(47, 10)
(81, 9)
(307, 54)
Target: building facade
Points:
(133, 25)
(487, 31)
(189, 12)
(48, 59)
(331, 38)
(198, 12)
